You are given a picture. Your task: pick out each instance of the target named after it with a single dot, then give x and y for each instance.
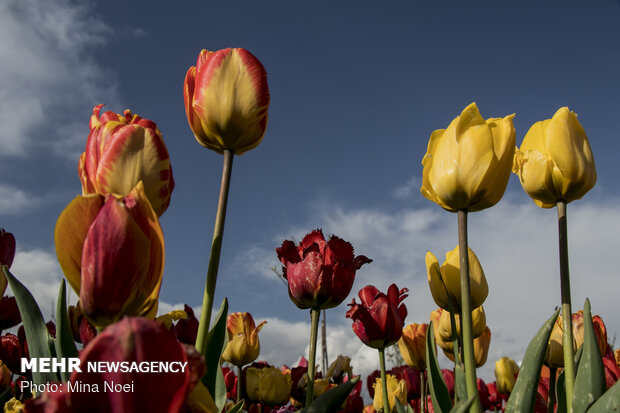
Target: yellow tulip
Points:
(338, 368)
(467, 165)
(268, 385)
(555, 161)
(412, 345)
(243, 346)
(446, 346)
(397, 389)
(479, 323)
(451, 275)
(505, 371)
(481, 347)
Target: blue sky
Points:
(357, 88)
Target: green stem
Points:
(384, 390)
(423, 398)
(466, 321)
(214, 257)
(458, 354)
(315, 314)
(567, 315)
(551, 400)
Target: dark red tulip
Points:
(379, 319)
(10, 352)
(231, 383)
(448, 378)
(411, 378)
(187, 329)
(9, 313)
(483, 394)
(7, 248)
(320, 273)
(370, 382)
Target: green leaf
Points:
(460, 382)
(590, 379)
(523, 396)
(236, 408)
(463, 406)
(34, 326)
(216, 342)
(65, 345)
(608, 402)
(402, 409)
(331, 400)
(439, 391)
(561, 393)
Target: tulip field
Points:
(115, 351)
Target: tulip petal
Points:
(71, 230)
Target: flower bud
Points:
(505, 374)
(555, 161)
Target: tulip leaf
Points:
(590, 381)
(402, 409)
(216, 342)
(332, 399)
(36, 331)
(439, 391)
(523, 396)
(463, 405)
(608, 402)
(460, 382)
(560, 390)
(65, 345)
(236, 408)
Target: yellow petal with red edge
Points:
(71, 230)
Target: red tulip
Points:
(11, 352)
(320, 273)
(187, 329)
(9, 312)
(112, 253)
(123, 150)
(7, 248)
(378, 320)
(226, 100)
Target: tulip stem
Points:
(466, 319)
(551, 400)
(384, 389)
(567, 337)
(315, 314)
(214, 257)
(239, 371)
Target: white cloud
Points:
(16, 201)
(517, 245)
(46, 53)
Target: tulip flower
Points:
(449, 273)
(123, 150)
(505, 374)
(600, 331)
(7, 253)
(397, 389)
(243, 345)
(412, 345)
(320, 273)
(268, 385)
(467, 165)
(339, 369)
(112, 253)
(226, 100)
(444, 328)
(435, 317)
(9, 312)
(187, 329)
(555, 161)
(481, 347)
(378, 320)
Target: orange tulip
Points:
(412, 345)
(123, 150)
(112, 253)
(226, 100)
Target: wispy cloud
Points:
(46, 52)
(16, 201)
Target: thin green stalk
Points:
(551, 400)
(466, 329)
(384, 390)
(567, 315)
(315, 314)
(214, 257)
(458, 354)
(239, 371)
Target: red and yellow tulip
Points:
(243, 346)
(123, 150)
(226, 100)
(111, 250)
